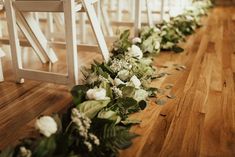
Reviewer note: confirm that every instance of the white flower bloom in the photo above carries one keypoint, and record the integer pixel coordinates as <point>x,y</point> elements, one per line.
<point>117,92</point>
<point>96,94</point>
<point>135,81</point>
<point>157,30</point>
<point>25,152</point>
<point>89,145</point>
<point>135,51</point>
<point>123,75</point>
<point>188,17</point>
<point>140,95</point>
<point>163,33</point>
<point>118,82</point>
<point>136,40</point>
<point>168,45</point>
<point>157,45</point>
<point>46,126</point>
<point>94,138</point>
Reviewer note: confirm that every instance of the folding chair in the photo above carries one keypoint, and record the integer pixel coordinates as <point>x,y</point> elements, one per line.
<point>18,12</point>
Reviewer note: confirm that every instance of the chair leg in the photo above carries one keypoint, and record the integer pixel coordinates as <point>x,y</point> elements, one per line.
<point>14,41</point>
<point>71,39</point>
<point>1,71</point>
<point>96,28</point>
<point>162,9</point>
<point>149,13</point>
<point>107,23</point>
<point>138,15</point>
<point>82,23</point>
<point>119,10</point>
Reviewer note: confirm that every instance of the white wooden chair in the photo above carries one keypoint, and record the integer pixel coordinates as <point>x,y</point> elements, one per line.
<point>18,12</point>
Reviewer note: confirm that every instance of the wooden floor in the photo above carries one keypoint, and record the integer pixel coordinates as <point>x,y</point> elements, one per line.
<point>200,121</point>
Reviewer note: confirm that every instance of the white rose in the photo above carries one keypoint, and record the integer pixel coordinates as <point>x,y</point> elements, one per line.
<point>123,74</point>
<point>135,51</point>
<point>118,82</point>
<point>136,40</point>
<point>96,94</point>
<point>157,45</point>
<point>135,81</point>
<point>46,126</point>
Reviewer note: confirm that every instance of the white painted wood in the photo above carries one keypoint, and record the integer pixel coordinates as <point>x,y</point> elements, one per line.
<point>36,38</point>
<point>149,13</point>
<point>14,41</point>
<point>97,29</point>
<point>1,71</point>
<point>33,33</point>
<point>1,5</point>
<point>119,9</point>
<point>2,54</point>
<point>106,20</point>
<point>138,16</point>
<point>70,29</point>
<point>50,26</point>
<point>44,76</point>
<point>162,9</point>
<point>83,30</point>
<point>132,5</point>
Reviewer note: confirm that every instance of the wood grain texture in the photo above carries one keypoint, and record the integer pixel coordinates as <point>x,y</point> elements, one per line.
<point>200,121</point>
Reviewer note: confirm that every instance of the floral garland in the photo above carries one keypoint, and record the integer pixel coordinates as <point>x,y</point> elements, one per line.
<point>97,124</point>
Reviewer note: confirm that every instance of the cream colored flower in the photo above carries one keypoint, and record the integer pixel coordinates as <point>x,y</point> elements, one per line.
<point>25,152</point>
<point>46,126</point>
<point>136,40</point>
<point>135,51</point>
<point>123,75</point>
<point>118,82</point>
<point>157,30</point>
<point>135,81</point>
<point>96,94</point>
<point>158,45</point>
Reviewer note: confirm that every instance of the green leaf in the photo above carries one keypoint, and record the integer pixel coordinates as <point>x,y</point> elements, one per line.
<point>128,91</point>
<point>110,115</point>
<point>91,108</point>
<point>108,89</point>
<point>79,93</point>
<point>125,35</point>
<point>45,147</point>
<point>112,136</point>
